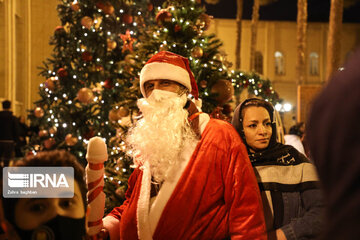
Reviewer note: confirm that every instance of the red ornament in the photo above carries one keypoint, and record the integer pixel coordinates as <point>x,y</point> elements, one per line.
<point>128,19</point>
<point>75,6</point>
<point>100,5</point>
<point>203,84</point>
<point>150,7</point>
<point>49,143</point>
<point>59,30</point>
<point>108,84</point>
<point>62,72</point>
<point>127,41</point>
<point>108,8</point>
<point>205,20</point>
<point>86,56</point>
<point>246,84</point>
<point>224,90</point>
<point>268,91</point>
<point>89,134</point>
<point>163,16</point>
<point>177,28</point>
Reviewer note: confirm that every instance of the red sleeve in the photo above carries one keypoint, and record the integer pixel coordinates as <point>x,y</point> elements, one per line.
<point>117,211</point>
<point>242,195</point>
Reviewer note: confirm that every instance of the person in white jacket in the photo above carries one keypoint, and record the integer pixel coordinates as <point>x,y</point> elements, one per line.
<point>295,137</point>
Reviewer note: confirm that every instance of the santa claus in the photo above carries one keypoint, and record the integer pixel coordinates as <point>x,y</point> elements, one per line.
<point>193,178</point>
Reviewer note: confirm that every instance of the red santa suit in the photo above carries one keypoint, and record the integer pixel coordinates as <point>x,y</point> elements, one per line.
<point>213,194</point>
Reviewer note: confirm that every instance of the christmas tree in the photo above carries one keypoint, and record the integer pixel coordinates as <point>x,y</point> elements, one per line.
<point>90,86</point>
<point>91,81</point>
<point>181,28</point>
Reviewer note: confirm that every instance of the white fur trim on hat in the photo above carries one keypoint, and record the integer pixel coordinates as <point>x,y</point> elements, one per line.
<point>161,70</point>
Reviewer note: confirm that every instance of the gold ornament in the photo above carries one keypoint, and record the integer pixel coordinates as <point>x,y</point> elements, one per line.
<point>39,112</point>
<point>218,57</point>
<point>87,22</point>
<point>50,83</point>
<point>129,59</point>
<point>97,22</point>
<point>123,112</point>
<point>85,95</point>
<point>70,140</point>
<point>197,52</point>
<point>67,27</point>
<point>111,45</point>
<point>113,115</point>
<point>43,133</point>
<point>52,130</point>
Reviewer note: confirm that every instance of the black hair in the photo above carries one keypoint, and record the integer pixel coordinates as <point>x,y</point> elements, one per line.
<point>295,130</point>
<point>6,104</point>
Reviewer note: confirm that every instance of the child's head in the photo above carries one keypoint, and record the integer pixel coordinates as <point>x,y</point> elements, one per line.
<point>63,217</point>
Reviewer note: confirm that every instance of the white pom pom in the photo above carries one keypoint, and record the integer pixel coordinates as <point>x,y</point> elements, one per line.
<point>96,150</point>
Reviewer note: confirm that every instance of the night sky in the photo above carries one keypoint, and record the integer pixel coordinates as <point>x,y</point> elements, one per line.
<point>284,10</point>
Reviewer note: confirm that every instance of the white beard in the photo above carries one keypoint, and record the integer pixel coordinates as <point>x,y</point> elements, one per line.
<point>160,135</point>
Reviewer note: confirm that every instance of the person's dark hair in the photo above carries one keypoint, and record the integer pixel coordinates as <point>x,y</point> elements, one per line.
<point>295,130</point>
<point>55,158</point>
<point>6,104</point>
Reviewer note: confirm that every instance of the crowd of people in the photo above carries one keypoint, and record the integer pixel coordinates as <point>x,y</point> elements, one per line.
<point>196,177</point>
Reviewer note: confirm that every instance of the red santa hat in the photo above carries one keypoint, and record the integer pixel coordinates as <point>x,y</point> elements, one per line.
<point>168,65</point>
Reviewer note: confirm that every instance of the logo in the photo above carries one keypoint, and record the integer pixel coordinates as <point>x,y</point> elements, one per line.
<point>38,182</point>
<point>35,180</point>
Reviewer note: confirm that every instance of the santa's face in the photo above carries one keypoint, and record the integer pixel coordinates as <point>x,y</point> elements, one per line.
<point>161,84</point>
<point>159,136</point>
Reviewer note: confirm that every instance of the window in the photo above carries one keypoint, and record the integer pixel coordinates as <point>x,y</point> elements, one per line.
<point>259,62</point>
<point>279,63</point>
<point>314,64</point>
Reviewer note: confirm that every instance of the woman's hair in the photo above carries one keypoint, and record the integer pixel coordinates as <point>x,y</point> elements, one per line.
<point>55,158</point>
<point>256,102</point>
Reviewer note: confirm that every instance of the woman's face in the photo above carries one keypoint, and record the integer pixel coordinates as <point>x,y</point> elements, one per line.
<point>257,127</point>
<point>31,213</point>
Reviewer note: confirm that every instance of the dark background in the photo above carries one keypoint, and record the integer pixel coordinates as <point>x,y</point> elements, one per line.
<point>281,10</point>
